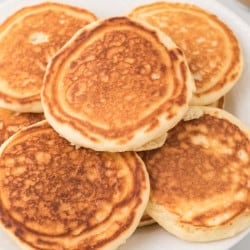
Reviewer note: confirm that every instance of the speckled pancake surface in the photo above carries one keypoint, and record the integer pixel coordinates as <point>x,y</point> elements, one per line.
<point>11,122</point>
<point>212,50</point>
<point>199,178</point>
<point>116,85</point>
<point>54,196</point>
<point>28,40</point>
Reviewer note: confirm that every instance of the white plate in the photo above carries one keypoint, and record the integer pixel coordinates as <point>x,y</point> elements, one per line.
<point>238,103</point>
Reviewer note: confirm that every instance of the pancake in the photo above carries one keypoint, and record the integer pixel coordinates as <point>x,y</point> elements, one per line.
<point>211,48</point>
<point>39,32</point>
<point>11,122</point>
<point>199,178</point>
<point>54,196</point>
<point>116,85</point>
<point>218,104</point>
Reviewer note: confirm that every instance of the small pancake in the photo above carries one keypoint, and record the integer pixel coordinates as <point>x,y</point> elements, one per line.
<point>39,32</point>
<point>11,122</point>
<point>218,104</point>
<point>199,178</point>
<point>54,196</point>
<point>211,48</point>
<point>116,85</point>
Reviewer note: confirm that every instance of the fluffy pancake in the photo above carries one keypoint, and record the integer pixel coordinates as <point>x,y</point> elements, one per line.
<point>116,85</point>
<point>54,196</point>
<point>211,48</point>
<point>39,32</point>
<point>199,178</point>
<point>11,122</point>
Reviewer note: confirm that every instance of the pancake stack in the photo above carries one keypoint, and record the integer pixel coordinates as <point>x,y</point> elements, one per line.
<point>100,133</point>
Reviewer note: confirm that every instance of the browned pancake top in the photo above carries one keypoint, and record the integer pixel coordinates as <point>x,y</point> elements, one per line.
<point>200,172</point>
<point>211,47</point>
<point>39,32</point>
<point>123,67</point>
<point>11,122</point>
<point>116,78</point>
<point>54,196</point>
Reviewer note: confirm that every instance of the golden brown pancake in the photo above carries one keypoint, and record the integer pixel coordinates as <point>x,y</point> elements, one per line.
<point>211,48</point>
<point>116,85</point>
<point>54,196</point>
<point>28,40</point>
<point>199,178</point>
<point>11,122</point>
